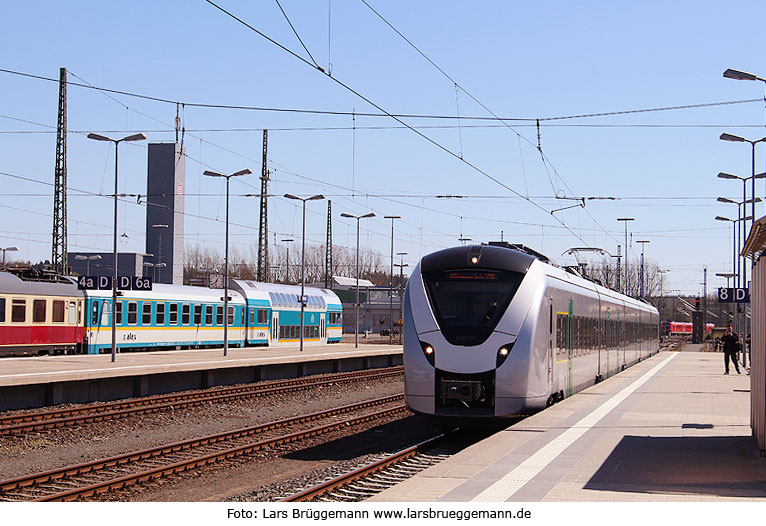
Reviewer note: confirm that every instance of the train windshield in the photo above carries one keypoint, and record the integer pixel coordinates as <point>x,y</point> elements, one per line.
<point>468,304</point>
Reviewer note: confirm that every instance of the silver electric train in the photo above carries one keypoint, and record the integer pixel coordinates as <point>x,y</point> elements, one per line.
<point>497,330</point>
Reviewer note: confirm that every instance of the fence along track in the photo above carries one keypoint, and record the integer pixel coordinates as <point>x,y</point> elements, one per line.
<point>101,476</point>
<point>21,424</point>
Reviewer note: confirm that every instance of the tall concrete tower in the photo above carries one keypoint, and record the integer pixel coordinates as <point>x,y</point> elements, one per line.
<point>165,187</point>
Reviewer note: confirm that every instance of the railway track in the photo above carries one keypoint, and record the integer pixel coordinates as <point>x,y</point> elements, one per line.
<point>33,422</point>
<point>92,479</point>
<point>372,478</point>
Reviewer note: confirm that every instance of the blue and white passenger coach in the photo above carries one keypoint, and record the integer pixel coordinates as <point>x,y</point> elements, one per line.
<point>497,330</point>
<point>168,316</point>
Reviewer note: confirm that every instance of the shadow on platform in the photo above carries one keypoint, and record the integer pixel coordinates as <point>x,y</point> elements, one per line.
<point>726,466</point>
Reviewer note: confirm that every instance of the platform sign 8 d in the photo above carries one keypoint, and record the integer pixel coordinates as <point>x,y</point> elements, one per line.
<point>733,295</point>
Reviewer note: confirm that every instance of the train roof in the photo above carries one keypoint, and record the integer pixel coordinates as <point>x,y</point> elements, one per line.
<point>515,258</point>
<point>250,287</point>
<point>12,284</point>
<point>488,256</point>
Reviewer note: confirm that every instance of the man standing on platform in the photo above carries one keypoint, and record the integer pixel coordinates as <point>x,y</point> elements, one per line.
<point>731,347</point>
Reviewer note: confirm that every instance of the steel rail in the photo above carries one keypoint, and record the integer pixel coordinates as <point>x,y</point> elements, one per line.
<point>19,424</point>
<point>363,472</point>
<point>27,482</point>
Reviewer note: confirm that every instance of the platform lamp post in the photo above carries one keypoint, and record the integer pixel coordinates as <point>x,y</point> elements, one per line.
<point>662,273</point>
<point>728,276</point>
<point>641,284</point>
<point>742,276</point>
<point>401,293</point>
<point>287,265</point>
<point>154,267</point>
<point>8,249</point>
<point>356,305</point>
<point>303,255</point>
<point>734,253</point>
<point>228,177</point>
<point>129,138</point>
<point>391,283</point>
<point>81,257</point>
<point>625,220</point>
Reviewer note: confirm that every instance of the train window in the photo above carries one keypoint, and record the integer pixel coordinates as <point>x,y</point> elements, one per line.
<point>231,316</point>
<point>469,304</point>
<point>132,313</point>
<point>160,314</point>
<point>243,317</point>
<point>118,313</point>
<point>58,311</point>
<point>281,332</point>
<point>173,317</point>
<point>272,298</point>
<point>198,315</point>
<point>219,315</point>
<point>322,304</point>
<point>146,314</point>
<point>2,310</point>
<point>19,311</point>
<point>185,312</point>
<point>208,315</point>
<point>38,311</point>
<point>72,313</point>
<point>252,316</point>
<point>106,308</point>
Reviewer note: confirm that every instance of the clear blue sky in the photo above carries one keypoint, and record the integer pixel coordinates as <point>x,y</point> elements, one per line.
<point>519,59</point>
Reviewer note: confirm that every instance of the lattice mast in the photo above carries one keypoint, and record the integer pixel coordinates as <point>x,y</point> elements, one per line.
<point>328,249</point>
<point>263,228</point>
<point>59,248</point>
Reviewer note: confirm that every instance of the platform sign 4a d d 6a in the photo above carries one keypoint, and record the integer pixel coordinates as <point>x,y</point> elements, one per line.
<point>733,295</point>
<point>105,283</point>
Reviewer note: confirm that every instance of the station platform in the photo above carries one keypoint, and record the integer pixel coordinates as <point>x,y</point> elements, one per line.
<point>671,428</point>
<point>50,380</point>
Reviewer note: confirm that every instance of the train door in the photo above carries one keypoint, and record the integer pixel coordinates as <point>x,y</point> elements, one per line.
<point>322,328</point>
<point>570,351</point>
<point>274,327</point>
<point>550,344</point>
<point>608,333</point>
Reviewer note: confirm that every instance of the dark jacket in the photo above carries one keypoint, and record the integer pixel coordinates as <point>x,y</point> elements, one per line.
<point>730,342</point>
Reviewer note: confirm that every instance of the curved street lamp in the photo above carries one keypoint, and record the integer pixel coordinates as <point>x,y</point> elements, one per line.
<point>303,255</point>
<point>210,173</point>
<point>129,138</point>
<point>356,305</point>
<point>8,249</point>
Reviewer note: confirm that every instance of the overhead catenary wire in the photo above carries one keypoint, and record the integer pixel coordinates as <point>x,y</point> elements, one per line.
<point>528,120</point>
<point>399,120</point>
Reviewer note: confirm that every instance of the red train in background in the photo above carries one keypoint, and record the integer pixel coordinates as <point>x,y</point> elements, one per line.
<point>680,328</point>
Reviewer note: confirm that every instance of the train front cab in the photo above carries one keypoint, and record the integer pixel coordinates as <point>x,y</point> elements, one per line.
<point>454,365</point>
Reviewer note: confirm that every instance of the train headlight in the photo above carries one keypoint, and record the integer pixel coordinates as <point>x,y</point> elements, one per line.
<point>503,353</point>
<point>428,350</point>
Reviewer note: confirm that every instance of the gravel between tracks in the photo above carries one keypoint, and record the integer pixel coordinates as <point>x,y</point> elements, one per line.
<point>53,449</point>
